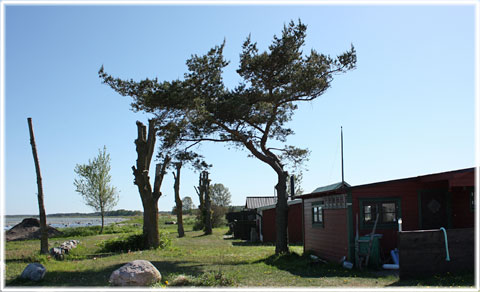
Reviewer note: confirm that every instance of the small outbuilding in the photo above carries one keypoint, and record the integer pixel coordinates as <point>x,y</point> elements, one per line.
<point>266,218</point>
<point>331,214</point>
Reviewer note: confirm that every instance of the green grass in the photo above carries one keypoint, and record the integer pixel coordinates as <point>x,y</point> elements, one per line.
<point>201,260</point>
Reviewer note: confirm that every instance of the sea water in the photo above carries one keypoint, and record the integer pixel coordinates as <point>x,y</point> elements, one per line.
<point>64,222</point>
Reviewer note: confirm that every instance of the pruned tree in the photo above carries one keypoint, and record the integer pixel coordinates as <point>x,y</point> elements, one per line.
<point>41,205</point>
<point>93,183</point>
<point>205,207</point>
<point>182,158</point>
<point>145,144</point>
<point>178,201</point>
<point>200,107</point>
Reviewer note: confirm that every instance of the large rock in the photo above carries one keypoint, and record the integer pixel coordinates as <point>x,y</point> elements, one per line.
<point>34,272</point>
<point>29,228</point>
<point>136,273</point>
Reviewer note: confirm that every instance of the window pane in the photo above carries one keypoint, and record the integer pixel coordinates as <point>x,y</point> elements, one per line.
<point>320,215</point>
<point>315,214</point>
<point>368,217</point>
<point>388,207</point>
<point>389,217</point>
<point>367,209</point>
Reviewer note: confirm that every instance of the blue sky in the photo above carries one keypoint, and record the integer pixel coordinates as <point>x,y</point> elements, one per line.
<point>407,110</point>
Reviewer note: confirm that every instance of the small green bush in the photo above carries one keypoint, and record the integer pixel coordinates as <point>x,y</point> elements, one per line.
<point>131,242</point>
<point>214,279</point>
<point>209,279</point>
<point>95,230</point>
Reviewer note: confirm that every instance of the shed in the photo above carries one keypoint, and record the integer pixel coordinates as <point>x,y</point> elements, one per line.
<point>266,222</point>
<point>424,202</point>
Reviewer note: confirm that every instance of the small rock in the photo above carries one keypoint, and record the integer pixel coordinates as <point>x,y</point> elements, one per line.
<point>136,273</point>
<point>34,272</point>
<point>57,253</point>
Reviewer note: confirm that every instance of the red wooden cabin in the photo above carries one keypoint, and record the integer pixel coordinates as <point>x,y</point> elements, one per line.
<point>424,202</point>
<point>266,222</point>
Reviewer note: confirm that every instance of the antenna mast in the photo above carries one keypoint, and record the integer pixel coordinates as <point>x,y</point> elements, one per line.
<point>341,137</point>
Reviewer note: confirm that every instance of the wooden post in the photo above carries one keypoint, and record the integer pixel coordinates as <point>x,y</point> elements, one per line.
<point>41,206</point>
<point>208,205</point>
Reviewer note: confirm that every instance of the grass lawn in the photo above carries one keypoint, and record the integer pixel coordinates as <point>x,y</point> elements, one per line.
<point>203,258</point>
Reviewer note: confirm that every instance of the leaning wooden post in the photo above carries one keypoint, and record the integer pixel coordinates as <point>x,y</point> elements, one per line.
<point>41,206</point>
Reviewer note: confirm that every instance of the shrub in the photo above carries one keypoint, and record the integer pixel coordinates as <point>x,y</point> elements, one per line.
<point>213,278</point>
<point>218,218</point>
<point>131,242</point>
<point>95,230</point>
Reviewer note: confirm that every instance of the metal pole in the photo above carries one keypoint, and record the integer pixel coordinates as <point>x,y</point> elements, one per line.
<point>341,137</point>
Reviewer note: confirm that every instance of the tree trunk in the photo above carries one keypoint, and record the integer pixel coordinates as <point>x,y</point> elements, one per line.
<point>41,206</point>
<point>281,244</point>
<point>208,205</point>
<point>150,226</point>
<point>178,201</point>
<point>145,147</point>
<point>103,216</point>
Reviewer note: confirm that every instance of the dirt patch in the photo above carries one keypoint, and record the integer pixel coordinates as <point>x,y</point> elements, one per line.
<point>29,228</point>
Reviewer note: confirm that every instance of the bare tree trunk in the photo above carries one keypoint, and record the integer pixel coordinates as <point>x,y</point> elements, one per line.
<point>41,206</point>
<point>208,204</point>
<point>103,216</point>
<point>150,226</point>
<point>145,147</point>
<point>178,201</point>
<point>281,244</point>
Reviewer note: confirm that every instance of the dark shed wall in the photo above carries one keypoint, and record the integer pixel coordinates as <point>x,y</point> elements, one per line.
<point>294,224</point>
<point>330,241</point>
<point>462,211</point>
<point>268,225</point>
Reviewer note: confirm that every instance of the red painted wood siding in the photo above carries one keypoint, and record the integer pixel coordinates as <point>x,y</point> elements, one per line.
<point>294,224</point>
<point>329,242</point>
<point>408,194</point>
<point>462,214</point>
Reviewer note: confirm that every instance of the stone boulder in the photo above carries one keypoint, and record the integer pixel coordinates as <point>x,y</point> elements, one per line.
<point>136,273</point>
<point>34,272</point>
<point>29,228</point>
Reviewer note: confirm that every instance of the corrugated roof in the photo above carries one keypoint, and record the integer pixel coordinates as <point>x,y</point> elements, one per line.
<point>291,202</point>
<point>331,187</point>
<point>256,202</point>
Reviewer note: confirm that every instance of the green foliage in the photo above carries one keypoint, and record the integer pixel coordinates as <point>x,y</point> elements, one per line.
<point>93,183</point>
<point>93,230</point>
<point>131,242</point>
<point>218,218</point>
<point>214,278</point>
<point>187,205</point>
<point>200,107</point>
<point>220,195</point>
<point>209,279</point>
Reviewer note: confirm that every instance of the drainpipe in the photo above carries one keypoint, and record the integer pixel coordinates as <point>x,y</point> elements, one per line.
<point>446,243</point>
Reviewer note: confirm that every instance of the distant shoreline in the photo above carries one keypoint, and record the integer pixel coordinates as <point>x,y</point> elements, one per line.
<point>108,214</point>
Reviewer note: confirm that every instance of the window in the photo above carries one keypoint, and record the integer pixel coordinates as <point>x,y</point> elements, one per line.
<point>317,213</point>
<point>387,210</point>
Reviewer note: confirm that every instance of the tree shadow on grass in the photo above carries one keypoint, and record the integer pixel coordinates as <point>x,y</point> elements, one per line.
<point>248,243</point>
<point>462,279</point>
<point>304,267</point>
<point>100,277</point>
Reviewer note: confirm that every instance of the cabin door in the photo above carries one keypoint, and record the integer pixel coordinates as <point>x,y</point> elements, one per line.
<point>433,209</point>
